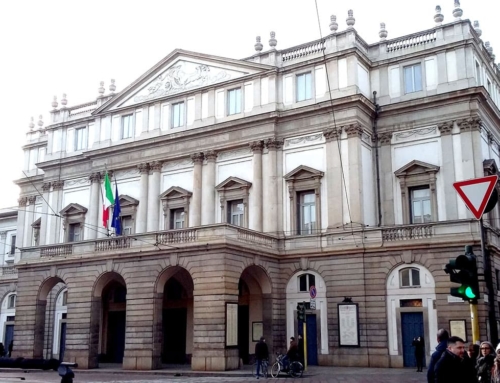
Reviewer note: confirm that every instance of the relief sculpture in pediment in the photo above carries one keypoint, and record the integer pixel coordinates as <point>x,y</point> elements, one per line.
<point>181,77</point>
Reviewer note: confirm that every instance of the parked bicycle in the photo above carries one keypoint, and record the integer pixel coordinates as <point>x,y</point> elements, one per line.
<point>264,368</point>
<point>295,369</point>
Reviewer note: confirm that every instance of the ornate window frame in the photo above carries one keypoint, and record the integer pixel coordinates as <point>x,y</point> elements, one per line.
<point>302,179</point>
<point>231,189</point>
<point>36,231</point>
<point>73,213</point>
<point>128,207</point>
<point>416,174</point>
<point>173,198</point>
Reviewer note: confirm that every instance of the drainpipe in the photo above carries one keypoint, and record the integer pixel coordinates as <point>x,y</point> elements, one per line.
<point>375,120</point>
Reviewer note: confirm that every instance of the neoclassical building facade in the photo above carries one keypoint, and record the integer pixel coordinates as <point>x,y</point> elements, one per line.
<point>318,174</point>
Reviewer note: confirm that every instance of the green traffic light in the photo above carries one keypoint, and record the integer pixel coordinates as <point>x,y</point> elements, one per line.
<point>469,293</point>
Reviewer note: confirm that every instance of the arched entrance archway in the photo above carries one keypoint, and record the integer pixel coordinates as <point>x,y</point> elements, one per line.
<point>45,317</point>
<point>173,321</point>
<point>7,320</point>
<point>108,319</point>
<point>254,311</point>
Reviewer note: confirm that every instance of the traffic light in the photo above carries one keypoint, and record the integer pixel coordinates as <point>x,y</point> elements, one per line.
<point>301,312</point>
<point>463,270</point>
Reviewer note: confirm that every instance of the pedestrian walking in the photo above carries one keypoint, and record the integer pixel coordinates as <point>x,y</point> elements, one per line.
<point>11,346</point>
<point>442,338</point>
<point>2,350</point>
<point>495,374</point>
<point>261,353</point>
<point>453,367</point>
<point>419,345</point>
<point>474,352</point>
<point>485,362</point>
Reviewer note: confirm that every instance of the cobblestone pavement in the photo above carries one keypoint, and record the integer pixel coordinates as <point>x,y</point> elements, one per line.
<point>314,375</point>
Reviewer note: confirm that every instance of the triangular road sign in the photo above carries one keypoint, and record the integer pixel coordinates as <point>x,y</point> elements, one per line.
<point>476,193</point>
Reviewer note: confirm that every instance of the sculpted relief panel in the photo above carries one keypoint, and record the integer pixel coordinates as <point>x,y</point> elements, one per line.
<point>182,76</point>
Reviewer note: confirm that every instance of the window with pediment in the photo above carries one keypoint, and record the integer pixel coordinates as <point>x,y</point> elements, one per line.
<point>73,222</point>
<point>233,195</point>
<point>175,202</point>
<point>418,192</point>
<point>304,191</point>
<point>36,232</point>
<point>128,211</point>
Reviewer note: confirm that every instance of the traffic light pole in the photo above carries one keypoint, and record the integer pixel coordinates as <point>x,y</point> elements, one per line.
<point>474,321</point>
<point>304,332</point>
<point>493,335</point>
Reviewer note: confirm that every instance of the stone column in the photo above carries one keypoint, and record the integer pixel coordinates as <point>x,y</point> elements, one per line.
<point>386,179</point>
<point>141,221</point>
<point>95,184</point>
<point>448,171</point>
<point>55,229</point>
<point>355,166</point>
<point>270,190</point>
<point>208,190</point>
<point>45,214</point>
<point>28,237</point>
<point>470,139</point>
<point>21,218</point>
<point>195,206</point>
<point>256,190</point>
<point>334,181</point>
<point>153,214</point>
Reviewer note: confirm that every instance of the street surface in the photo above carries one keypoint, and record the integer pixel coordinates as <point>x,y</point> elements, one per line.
<point>314,375</point>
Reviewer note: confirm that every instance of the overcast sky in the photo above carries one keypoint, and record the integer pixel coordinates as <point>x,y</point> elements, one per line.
<point>51,47</point>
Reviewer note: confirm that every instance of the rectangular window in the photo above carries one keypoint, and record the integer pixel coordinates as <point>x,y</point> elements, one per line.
<point>304,86</point>
<point>127,224</point>
<point>413,78</point>
<point>127,126</point>
<point>236,211</point>
<point>12,302</point>
<point>74,234</point>
<point>307,213</point>
<point>420,205</point>
<point>478,73</point>
<point>177,218</point>
<point>12,244</point>
<point>178,115</point>
<point>79,139</point>
<point>306,281</point>
<point>234,101</point>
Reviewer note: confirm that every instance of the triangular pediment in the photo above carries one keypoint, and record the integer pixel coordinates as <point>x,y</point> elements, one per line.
<point>37,223</point>
<point>179,72</point>
<point>416,167</point>
<point>175,192</point>
<point>303,172</point>
<point>126,200</point>
<point>233,183</point>
<point>73,208</point>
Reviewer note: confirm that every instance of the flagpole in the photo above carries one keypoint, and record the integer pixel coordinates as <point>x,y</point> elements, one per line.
<point>102,196</point>
<point>120,214</point>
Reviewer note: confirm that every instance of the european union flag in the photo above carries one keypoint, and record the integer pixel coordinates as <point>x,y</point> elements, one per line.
<point>116,222</point>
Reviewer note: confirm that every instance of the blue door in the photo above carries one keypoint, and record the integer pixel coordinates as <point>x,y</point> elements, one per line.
<point>62,342</point>
<point>412,326</point>
<point>312,339</point>
<point>9,336</point>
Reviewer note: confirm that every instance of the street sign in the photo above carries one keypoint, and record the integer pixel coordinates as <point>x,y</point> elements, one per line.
<point>476,193</point>
<point>312,292</point>
<point>312,304</point>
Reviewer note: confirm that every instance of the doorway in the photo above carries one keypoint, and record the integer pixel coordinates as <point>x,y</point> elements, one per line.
<point>412,326</point>
<point>311,339</point>
<point>244,333</point>
<point>174,335</point>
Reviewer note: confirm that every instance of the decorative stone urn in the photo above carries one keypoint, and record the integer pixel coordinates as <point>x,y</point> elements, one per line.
<point>477,29</point>
<point>457,11</point>
<point>350,19</point>
<point>64,100</point>
<point>383,32</point>
<point>54,102</point>
<point>272,41</point>
<point>438,17</point>
<point>333,23</point>
<point>112,86</point>
<point>258,45</point>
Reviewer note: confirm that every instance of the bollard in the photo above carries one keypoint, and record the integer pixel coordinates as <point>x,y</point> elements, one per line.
<point>66,373</point>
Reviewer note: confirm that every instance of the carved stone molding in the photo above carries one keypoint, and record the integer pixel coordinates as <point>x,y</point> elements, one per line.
<point>3,235</point>
<point>22,201</point>
<point>415,132</point>
<point>353,130</point>
<point>446,128</point>
<point>95,177</point>
<point>32,199</point>
<point>385,138</point>
<point>211,156</point>
<point>256,146</point>
<point>332,134</point>
<point>491,137</point>
<point>304,140</point>
<point>155,166</point>
<point>46,187</point>
<point>57,185</point>
<point>274,143</point>
<point>473,123</point>
<point>197,158</point>
<point>143,168</point>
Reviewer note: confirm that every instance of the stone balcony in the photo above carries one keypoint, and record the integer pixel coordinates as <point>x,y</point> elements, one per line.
<point>340,240</point>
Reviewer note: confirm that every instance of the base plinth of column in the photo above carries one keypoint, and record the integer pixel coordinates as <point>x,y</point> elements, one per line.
<point>229,360</point>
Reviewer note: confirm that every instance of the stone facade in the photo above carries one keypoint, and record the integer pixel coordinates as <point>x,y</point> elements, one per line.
<point>243,183</point>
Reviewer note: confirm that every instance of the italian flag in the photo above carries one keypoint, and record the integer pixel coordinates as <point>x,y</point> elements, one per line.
<point>108,201</point>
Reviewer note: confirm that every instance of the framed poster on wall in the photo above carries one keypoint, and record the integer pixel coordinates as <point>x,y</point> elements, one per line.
<point>231,324</point>
<point>458,328</point>
<point>257,331</point>
<point>348,315</point>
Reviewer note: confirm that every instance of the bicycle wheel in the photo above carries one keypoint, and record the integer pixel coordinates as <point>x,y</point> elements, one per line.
<point>296,369</point>
<point>264,368</point>
<point>275,370</point>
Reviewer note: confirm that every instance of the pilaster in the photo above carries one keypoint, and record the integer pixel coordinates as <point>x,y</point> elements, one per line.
<point>153,202</point>
<point>255,199</point>
<point>270,189</point>
<point>55,229</point>
<point>208,189</point>
<point>355,166</point>
<point>448,170</point>
<point>45,213</point>
<point>334,181</point>
<point>142,209</point>
<point>386,178</point>
<point>195,206</point>
<point>95,184</point>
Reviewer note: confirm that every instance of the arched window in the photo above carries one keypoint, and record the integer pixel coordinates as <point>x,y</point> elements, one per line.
<point>11,302</point>
<point>409,277</point>
<point>305,282</point>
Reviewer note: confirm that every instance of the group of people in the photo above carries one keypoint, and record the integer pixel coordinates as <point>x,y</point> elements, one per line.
<point>295,352</point>
<point>452,363</point>
<point>5,353</point>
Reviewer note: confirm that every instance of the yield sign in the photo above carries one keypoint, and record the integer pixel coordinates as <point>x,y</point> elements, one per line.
<point>476,193</point>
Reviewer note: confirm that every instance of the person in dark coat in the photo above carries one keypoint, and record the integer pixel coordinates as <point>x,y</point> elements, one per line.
<point>261,353</point>
<point>453,366</point>
<point>2,350</point>
<point>485,362</point>
<point>301,349</point>
<point>419,345</point>
<point>473,352</point>
<point>11,346</point>
<point>442,338</point>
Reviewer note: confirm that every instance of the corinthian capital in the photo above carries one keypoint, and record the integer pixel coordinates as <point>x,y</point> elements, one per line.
<point>57,185</point>
<point>385,138</point>
<point>274,143</point>
<point>95,177</point>
<point>46,187</point>
<point>332,134</point>
<point>257,146</point>
<point>472,123</point>
<point>32,199</point>
<point>22,201</point>
<point>197,158</point>
<point>211,156</point>
<point>353,130</point>
<point>155,166</point>
<point>446,128</point>
<point>143,168</point>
